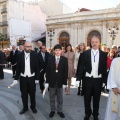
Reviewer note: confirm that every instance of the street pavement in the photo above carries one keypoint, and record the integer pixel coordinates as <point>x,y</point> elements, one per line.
<point>11,104</point>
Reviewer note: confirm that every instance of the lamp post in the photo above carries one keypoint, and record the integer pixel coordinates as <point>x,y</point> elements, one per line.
<point>51,34</point>
<point>113,32</point>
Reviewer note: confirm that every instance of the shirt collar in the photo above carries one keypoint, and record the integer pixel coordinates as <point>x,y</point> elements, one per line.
<point>26,53</point>
<point>95,50</point>
<point>57,57</point>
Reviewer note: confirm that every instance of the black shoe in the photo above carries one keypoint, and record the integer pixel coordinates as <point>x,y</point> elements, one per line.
<point>23,111</point>
<point>34,110</point>
<point>82,93</point>
<point>96,118</point>
<point>78,92</point>
<point>86,117</point>
<point>51,114</point>
<point>61,114</point>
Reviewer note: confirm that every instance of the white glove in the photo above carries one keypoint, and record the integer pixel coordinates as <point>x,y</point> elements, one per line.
<point>9,63</point>
<point>64,86</point>
<point>77,83</point>
<point>15,81</point>
<point>46,86</point>
<point>36,81</point>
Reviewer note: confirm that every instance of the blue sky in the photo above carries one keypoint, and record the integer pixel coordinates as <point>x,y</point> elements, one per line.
<point>91,4</point>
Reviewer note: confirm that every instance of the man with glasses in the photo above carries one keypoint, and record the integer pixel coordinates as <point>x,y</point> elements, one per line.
<point>27,69</point>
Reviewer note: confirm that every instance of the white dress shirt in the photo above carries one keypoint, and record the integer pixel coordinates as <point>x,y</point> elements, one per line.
<point>27,66</point>
<point>95,64</point>
<point>57,58</point>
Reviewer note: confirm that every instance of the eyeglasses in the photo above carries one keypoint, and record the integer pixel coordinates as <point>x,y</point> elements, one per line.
<point>28,46</point>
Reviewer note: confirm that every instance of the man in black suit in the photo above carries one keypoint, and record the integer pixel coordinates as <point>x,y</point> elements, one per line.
<point>21,48</point>
<point>39,44</point>
<point>94,63</point>
<point>56,79</point>
<point>13,59</point>
<point>27,69</point>
<point>43,56</point>
<point>2,57</point>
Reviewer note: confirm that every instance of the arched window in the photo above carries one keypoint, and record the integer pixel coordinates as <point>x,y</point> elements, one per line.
<point>64,39</point>
<point>91,34</point>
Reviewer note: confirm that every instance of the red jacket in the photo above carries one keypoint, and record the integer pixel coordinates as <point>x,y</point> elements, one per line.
<point>109,60</point>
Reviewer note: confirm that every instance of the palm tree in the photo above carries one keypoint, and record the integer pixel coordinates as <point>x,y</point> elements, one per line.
<point>3,37</point>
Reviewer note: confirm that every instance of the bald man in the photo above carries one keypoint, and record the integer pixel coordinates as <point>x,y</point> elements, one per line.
<point>28,71</point>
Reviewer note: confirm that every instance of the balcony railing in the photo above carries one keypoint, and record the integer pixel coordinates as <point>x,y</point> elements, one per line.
<point>4,23</point>
<point>4,10</point>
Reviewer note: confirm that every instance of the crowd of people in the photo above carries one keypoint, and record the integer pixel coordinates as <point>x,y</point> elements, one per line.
<point>89,65</point>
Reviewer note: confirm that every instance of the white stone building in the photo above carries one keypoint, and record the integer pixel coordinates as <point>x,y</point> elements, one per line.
<point>54,7</point>
<point>78,27</point>
<point>21,20</point>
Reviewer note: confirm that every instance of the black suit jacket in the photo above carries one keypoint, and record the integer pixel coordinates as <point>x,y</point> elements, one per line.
<point>85,64</point>
<point>36,50</point>
<point>41,63</point>
<point>2,57</point>
<point>57,79</point>
<point>13,57</point>
<point>33,65</point>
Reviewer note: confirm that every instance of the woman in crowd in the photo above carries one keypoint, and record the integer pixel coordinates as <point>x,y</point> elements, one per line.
<point>110,57</point>
<point>70,55</point>
<point>81,47</point>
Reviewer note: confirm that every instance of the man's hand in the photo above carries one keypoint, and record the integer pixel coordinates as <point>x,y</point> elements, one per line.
<point>15,81</point>
<point>77,83</point>
<point>36,81</point>
<point>46,86</point>
<point>64,86</point>
<point>116,91</point>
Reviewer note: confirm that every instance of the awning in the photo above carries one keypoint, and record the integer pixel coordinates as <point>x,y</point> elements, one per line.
<point>43,35</point>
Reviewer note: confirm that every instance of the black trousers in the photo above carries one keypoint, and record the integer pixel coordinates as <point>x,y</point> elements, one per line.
<point>81,83</point>
<point>41,83</point>
<point>27,86</point>
<point>1,72</point>
<point>92,87</point>
<point>14,70</point>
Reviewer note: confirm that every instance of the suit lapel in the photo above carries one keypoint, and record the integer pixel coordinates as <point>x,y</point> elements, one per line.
<point>60,61</point>
<point>23,59</point>
<point>89,58</point>
<point>100,57</point>
<point>54,63</point>
<point>31,60</point>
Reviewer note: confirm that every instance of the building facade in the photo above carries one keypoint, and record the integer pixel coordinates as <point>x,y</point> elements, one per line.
<point>79,27</point>
<point>21,21</point>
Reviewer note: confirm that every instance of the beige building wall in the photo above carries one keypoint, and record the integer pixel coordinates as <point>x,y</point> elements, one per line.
<point>79,25</point>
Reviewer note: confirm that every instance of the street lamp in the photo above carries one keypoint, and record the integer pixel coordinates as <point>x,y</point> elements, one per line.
<point>113,32</point>
<point>51,33</point>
